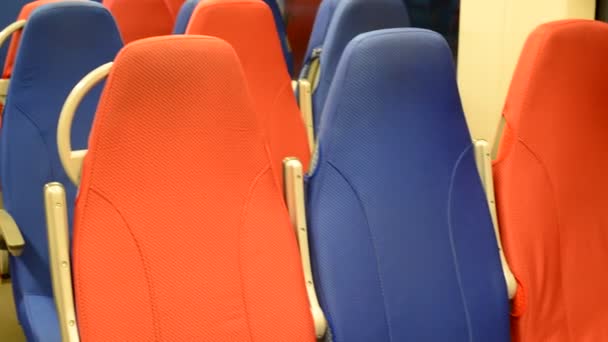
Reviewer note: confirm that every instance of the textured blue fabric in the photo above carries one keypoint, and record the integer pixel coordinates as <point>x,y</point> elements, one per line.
<point>9,10</point>
<point>61,43</point>
<point>351,18</point>
<point>402,243</point>
<point>41,323</point>
<point>185,13</point>
<point>319,29</point>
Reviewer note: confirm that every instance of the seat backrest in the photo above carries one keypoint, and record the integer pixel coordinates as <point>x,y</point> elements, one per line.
<point>11,55</point>
<point>60,44</point>
<point>185,13</point>
<point>259,51</point>
<point>282,31</point>
<point>350,18</point>
<point>550,177</point>
<point>396,204</point>
<point>319,29</point>
<point>222,234</point>
<point>8,14</point>
<point>139,19</point>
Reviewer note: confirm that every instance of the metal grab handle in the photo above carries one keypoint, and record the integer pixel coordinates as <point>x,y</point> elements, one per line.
<point>72,160</point>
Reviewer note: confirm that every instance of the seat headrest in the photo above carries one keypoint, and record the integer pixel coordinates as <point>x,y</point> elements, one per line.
<point>10,11</point>
<point>255,38</point>
<point>53,56</point>
<point>560,67</point>
<point>352,17</point>
<point>25,13</point>
<point>319,30</point>
<point>256,42</point>
<point>154,79</point>
<point>407,75</point>
<point>142,19</point>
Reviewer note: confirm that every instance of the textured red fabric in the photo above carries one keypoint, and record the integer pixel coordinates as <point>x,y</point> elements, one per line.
<point>551,184</point>
<point>11,55</point>
<point>180,231</point>
<point>249,27</point>
<point>139,19</point>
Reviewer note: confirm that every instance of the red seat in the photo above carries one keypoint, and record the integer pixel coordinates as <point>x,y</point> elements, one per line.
<point>180,233</point>
<point>139,19</point>
<point>248,25</point>
<point>551,184</point>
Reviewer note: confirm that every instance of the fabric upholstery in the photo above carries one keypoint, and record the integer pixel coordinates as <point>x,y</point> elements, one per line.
<point>61,43</point>
<point>350,18</point>
<point>254,40</point>
<point>177,185</point>
<point>403,245</point>
<point>8,15</point>
<point>550,183</point>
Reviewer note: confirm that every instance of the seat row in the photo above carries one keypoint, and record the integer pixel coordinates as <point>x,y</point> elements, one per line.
<point>140,19</point>
<point>179,211</point>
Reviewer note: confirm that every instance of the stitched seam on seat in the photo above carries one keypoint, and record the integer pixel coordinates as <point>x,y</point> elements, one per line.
<point>39,131</point>
<point>374,247</point>
<point>559,235</point>
<point>243,214</point>
<point>276,99</point>
<point>453,245</point>
<point>154,309</point>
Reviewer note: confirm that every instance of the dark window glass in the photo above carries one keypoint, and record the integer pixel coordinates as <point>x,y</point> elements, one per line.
<point>438,15</point>
<point>602,10</point>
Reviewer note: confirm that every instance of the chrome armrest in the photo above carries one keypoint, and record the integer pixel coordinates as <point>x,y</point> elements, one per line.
<point>59,253</point>
<point>483,159</point>
<point>10,235</point>
<point>294,197</point>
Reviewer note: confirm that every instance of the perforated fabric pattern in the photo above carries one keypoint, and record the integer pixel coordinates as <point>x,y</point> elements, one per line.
<point>416,259</point>
<point>550,181</point>
<point>350,18</point>
<point>177,181</point>
<point>188,8</point>
<point>24,14</point>
<point>139,19</point>
<point>10,11</point>
<point>11,50</point>
<point>255,42</point>
<point>62,42</point>
<point>319,28</point>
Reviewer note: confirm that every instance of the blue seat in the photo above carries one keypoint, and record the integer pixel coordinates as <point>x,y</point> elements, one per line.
<point>188,8</point>
<point>9,9</point>
<point>319,29</point>
<point>349,18</point>
<point>402,241</point>
<point>61,43</point>
<point>184,15</point>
